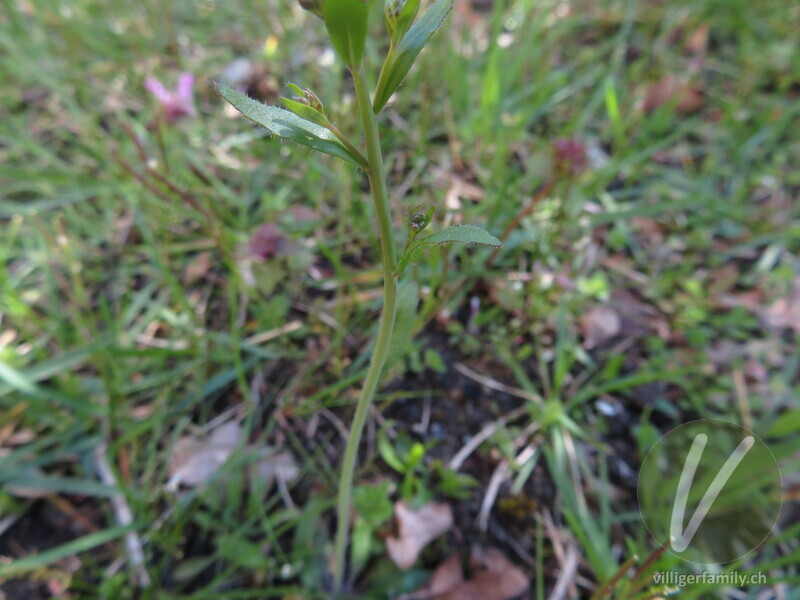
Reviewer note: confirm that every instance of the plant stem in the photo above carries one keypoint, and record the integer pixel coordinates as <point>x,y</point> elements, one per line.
<point>377,181</point>
<point>349,145</point>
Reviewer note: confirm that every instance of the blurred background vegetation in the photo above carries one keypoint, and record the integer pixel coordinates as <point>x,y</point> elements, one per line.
<point>167,270</point>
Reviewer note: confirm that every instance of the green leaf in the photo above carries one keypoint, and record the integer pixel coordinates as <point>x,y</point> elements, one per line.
<point>434,360</point>
<point>24,381</point>
<point>786,424</point>
<point>451,483</point>
<point>188,569</point>
<point>463,234</point>
<point>361,545</point>
<point>242,552</point>
<point>287,125</point>
<point>401,58</point>
<point>304,111</point>
<point>33,562</point>
<point>372,503</point>
<point>389,454</point>
<point>61,485</point>
<point>346,22</point>
<point>415,456</point>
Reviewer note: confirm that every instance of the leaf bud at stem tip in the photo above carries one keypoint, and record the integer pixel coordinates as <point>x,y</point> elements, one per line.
<point>419,219</point>
<point>400,15</point>
<point>313,101</point>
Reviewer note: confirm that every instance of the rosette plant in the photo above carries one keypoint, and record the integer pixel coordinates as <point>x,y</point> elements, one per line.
<point>303,119</point>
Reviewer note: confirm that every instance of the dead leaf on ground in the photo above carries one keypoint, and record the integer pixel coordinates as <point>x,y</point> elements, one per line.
<point>417,528</point>
<point>194,460</point>
<point>696,42</point>
<point>599,325</point>
<point>651,231</point>
<point>784,313</point>
<point>751,300</point>
<point>274,465</point>
<point>672,89</point>
<point>197,268</point>
<point>494,577</point>
<point>10,436</point>
<point>447,576</point>
<point>639,318</point>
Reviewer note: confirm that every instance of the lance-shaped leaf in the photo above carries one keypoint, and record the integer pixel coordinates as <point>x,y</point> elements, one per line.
<point>346,22</point>
<point>304,111</point>
<point>463,234</point>
<point>402,56</point>
<point>287,125</point>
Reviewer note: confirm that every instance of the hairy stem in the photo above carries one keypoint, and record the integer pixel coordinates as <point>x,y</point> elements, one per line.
<point>377,181</point>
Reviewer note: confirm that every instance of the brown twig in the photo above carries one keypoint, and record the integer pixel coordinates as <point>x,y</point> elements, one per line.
<point>641,571</point>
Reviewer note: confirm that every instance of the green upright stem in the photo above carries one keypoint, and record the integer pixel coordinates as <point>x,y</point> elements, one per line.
<point>377,181</point>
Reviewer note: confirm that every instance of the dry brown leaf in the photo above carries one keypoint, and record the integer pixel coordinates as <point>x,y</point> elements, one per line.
<point>697,41</point>
<point>197,268</point>
<point>494,577</point>
<point>416,528</point>
<point>274,465</point>
<point>752,300</point>
<point>599,325</point>
<point>784,313</point>
<point>755,371</point>
<point>195,460</point>
<point>671,89</point>
<point>651,230</point>
<point>20,437</point>
<point>447,576</point>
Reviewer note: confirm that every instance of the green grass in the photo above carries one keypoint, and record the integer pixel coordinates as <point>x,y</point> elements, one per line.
<point>105,339</point>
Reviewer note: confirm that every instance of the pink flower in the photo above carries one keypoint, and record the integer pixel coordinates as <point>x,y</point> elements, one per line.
<point>570,156</point>
<point>268,242</point>
<point>177,104</point>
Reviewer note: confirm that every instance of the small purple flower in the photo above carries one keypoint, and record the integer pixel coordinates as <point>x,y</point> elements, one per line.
<point>570,156</point>
<point>267,243</point>
<point>177,104</point>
